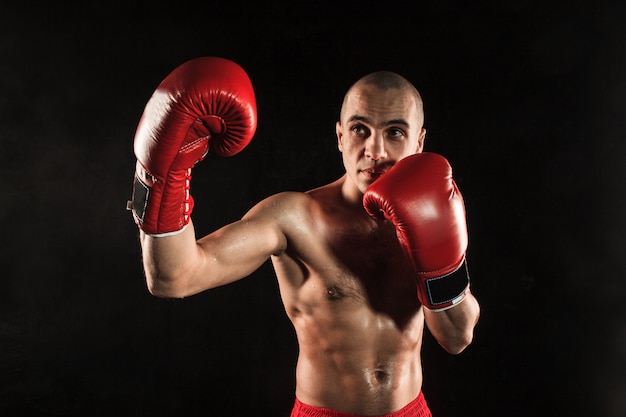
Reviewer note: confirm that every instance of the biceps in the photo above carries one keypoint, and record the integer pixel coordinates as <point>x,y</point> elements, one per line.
<point>235,251</point>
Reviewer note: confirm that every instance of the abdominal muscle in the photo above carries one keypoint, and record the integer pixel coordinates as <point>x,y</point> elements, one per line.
<point>353,358</point>
<point>363,375</point>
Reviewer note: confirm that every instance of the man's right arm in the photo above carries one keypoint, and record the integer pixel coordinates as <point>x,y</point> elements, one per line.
<point>179,266</point>
<point>204,100</point>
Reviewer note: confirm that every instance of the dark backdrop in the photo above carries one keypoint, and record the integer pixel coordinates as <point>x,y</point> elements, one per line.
<point>526,98</point>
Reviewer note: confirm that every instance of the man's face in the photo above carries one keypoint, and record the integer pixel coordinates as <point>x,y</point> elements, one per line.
<point>377,129</point>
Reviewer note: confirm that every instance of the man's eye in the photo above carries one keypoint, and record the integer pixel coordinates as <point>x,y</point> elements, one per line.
<point>358,129</point>
<point>395,133</point>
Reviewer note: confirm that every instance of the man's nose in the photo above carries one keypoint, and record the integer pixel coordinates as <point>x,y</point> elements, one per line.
<point>375,146</point>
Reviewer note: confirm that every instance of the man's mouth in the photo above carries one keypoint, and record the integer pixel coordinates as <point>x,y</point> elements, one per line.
<point>373,173</point>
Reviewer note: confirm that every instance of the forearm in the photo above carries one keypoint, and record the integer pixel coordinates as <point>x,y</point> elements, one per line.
<point>170,263</point>
<point>454,328</point>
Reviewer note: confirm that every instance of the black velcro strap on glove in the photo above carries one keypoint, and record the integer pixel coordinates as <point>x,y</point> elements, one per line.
<point>139,199</point>
<point>448,288</point>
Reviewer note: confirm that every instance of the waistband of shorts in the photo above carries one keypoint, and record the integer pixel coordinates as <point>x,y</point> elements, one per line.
<point>416,408</point>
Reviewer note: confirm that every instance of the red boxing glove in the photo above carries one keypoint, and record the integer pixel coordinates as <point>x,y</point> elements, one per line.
<point>422,200</point>
<point>205,99</point>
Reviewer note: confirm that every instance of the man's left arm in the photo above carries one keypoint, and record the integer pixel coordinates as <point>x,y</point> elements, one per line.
<point>420,197</point>
<point>453,328</point>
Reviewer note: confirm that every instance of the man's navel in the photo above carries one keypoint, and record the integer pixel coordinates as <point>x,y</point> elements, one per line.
<point>378,378</point>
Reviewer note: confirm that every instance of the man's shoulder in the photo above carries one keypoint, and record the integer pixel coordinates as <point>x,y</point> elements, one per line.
<point>283,205</point>
<point>297,200</point>
<point>286,199</point>
<point>290,209</point>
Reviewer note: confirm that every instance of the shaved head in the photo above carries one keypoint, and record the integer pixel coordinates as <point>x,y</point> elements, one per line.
<point>386,80</point>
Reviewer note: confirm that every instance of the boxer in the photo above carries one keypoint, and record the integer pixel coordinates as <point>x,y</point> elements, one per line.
<point>363,263</point>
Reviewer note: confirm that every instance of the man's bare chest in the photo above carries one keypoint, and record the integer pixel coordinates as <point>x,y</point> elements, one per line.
<point>341,259</point>
<point>363,261</point>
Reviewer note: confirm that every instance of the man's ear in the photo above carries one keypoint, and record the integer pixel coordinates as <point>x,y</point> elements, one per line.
<point>339,132</point>
<point>420,141</point>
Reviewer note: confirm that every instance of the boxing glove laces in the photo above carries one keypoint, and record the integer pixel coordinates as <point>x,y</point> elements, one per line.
<point>205,101</point>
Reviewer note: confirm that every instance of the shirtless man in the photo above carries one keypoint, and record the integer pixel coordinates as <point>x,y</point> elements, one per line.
<point>362,263</point>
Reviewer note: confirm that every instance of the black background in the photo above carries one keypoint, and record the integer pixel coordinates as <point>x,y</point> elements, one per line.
<point>526,98</point>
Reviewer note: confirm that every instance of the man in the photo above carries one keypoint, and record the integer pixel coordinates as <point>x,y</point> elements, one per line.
<point>362,263</point>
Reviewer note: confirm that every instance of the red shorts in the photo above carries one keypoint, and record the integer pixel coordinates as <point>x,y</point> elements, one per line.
<point>416,408</point>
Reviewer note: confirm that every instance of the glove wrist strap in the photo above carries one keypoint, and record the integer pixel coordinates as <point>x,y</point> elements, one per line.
<point>446,291</point>
<point>161,208</point>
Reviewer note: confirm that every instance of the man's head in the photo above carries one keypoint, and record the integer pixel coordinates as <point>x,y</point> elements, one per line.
<point>381,122</point>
